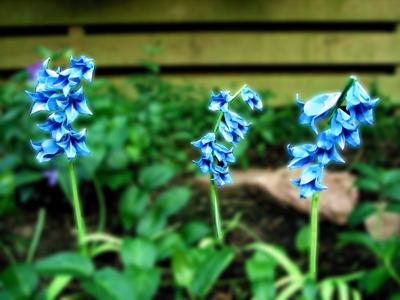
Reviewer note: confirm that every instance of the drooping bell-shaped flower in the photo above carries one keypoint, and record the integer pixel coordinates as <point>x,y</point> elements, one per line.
<point>251,98</point>
<point>56,124</point>
<point>46,150</point>
<point>223,154</point>
<point>345,129</point>
<point>74,143</point>
<point>205,144</point>
<point>233,127</point>
<point>82,68</point>
<point>221,175</point>
<point>326,148</point>
<point>220,101</point>
<point>317,108</point>
<point>310,180</point>
<point>301,155</point>
<point>73,105</point>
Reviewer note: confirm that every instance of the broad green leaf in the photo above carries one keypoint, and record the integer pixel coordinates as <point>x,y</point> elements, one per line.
<point>393,207</point>
<point>152,223</point>
<point>109,284</point>
<point>393,191</point>
<point>138,252</point>
<point>361,238</point>
<point>20,280</point>
<point>368,185</point>
<point>145,282</point>
<point>155,176</point>
<point>281,258</point>
<point>194,231</point>
<point>374,280</point>
<point>65,263</point>
<point>172,200</point>
<point>131,206</point>
<point>263,290</point>
<point>183,268</point>
<point>391,177</point>
<point>208,272</point>
<point>168,244</point>
<point>309,291</point>
<point>302,241</point>
<point>367,171</point>
<point>360,213</point>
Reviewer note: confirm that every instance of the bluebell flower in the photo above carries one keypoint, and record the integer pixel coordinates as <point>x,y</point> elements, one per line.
<point>360,105</point>
<point>56,124</point>
<point>52,176</point>
<point>33,70</point>
<point>233,127</point>
<point>204,163</point>
<point>60,92</point>
<point>301,155</point>
<point>74,143</point>
<point>317,108</point>
<point>251,98</point>
<point>220,101</point>
<point>46,150</point>
<point>73,105</point>
<point>223,154</point>
<point>81,67</point>
<point>205,144</point>
<point>345,128</point>
<point>221,175</point>
<point>310,180</point>
<point>326,148</point>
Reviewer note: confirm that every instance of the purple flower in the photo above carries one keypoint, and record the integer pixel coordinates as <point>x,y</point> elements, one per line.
<point>52,176</point>
<point>33,70</point>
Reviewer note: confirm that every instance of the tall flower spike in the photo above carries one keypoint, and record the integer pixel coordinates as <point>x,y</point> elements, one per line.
<point>344,125</point>
<point>60,93</point>
<point>216,157</point>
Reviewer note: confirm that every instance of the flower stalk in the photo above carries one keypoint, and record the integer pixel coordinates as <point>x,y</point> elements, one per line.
<point>313,268</point>
<point>79,221</point>
<point>215,213</point>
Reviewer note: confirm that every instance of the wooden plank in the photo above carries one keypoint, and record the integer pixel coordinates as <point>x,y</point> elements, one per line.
<point>219,48</point>
<point>284,86</point>
<point>44,12</point>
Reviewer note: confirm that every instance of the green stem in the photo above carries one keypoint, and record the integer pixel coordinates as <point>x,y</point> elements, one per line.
<point>102,206</point>
<point>215,213</point>
<point>313,271</point>
<point>36,235</point>
<point>80,224</point>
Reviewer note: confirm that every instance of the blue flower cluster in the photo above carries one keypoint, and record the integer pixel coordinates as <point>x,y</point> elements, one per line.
<point>343,129</point>
<point>60,93</point>
<point>215,157</point>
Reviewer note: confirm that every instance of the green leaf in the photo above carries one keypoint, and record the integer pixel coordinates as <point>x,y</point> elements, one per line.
<point>392,191</point>
<point>368,185</point>
<point>169,244</point>
<point>131,206</point>
<point>360,213</point>
<point>367,171</point>
<point>65,263</point>
<point>19,280</point>
<point>395,296</point>
<point>155,176</point>
<point>288,291</point>
<point>208,272</point>
<point>145,282</point>
<point>302,241</point>
<point>183,268</point>
<point>138,252</point>
<point>109,284</point>
<point>327,289</point>
<point>280,257</point>
<point>151,224</point>
<point>26,177</point>
<point>309,291</point>
<point>343,290</point>
<point>172,200</point>
<point>393,207</point>
<point>374,280</point>
<point>194,231</point>
<point>361,238</point>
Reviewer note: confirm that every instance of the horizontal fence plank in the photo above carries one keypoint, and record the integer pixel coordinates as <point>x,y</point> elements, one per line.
<point>44,12</point>
<point>283,86</point>
<point>219,48</point>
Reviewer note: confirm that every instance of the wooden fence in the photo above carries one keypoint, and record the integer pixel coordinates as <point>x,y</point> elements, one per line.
<point>288,46</point>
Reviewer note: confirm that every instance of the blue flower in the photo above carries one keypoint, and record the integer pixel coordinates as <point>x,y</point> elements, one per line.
<point>251,98</point>
<point>221,175</point>
<point>46,150</point>
<point>360,105</point>
<point>223,154</point>
<point>205,144</point>
<point>301,155</point>
<point>317,108</point>
<point>233,127</point>
<point>82,67</point>
<point>326,150</point>
<point>204,163</point>
<point>52,176</point>
<point>56,125</point>
<point>74,143</point>
<point>345,128</point>
<point>59,92</point>
<point>310,180</point>
<point>220,101</point>
<point>73,105</point>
